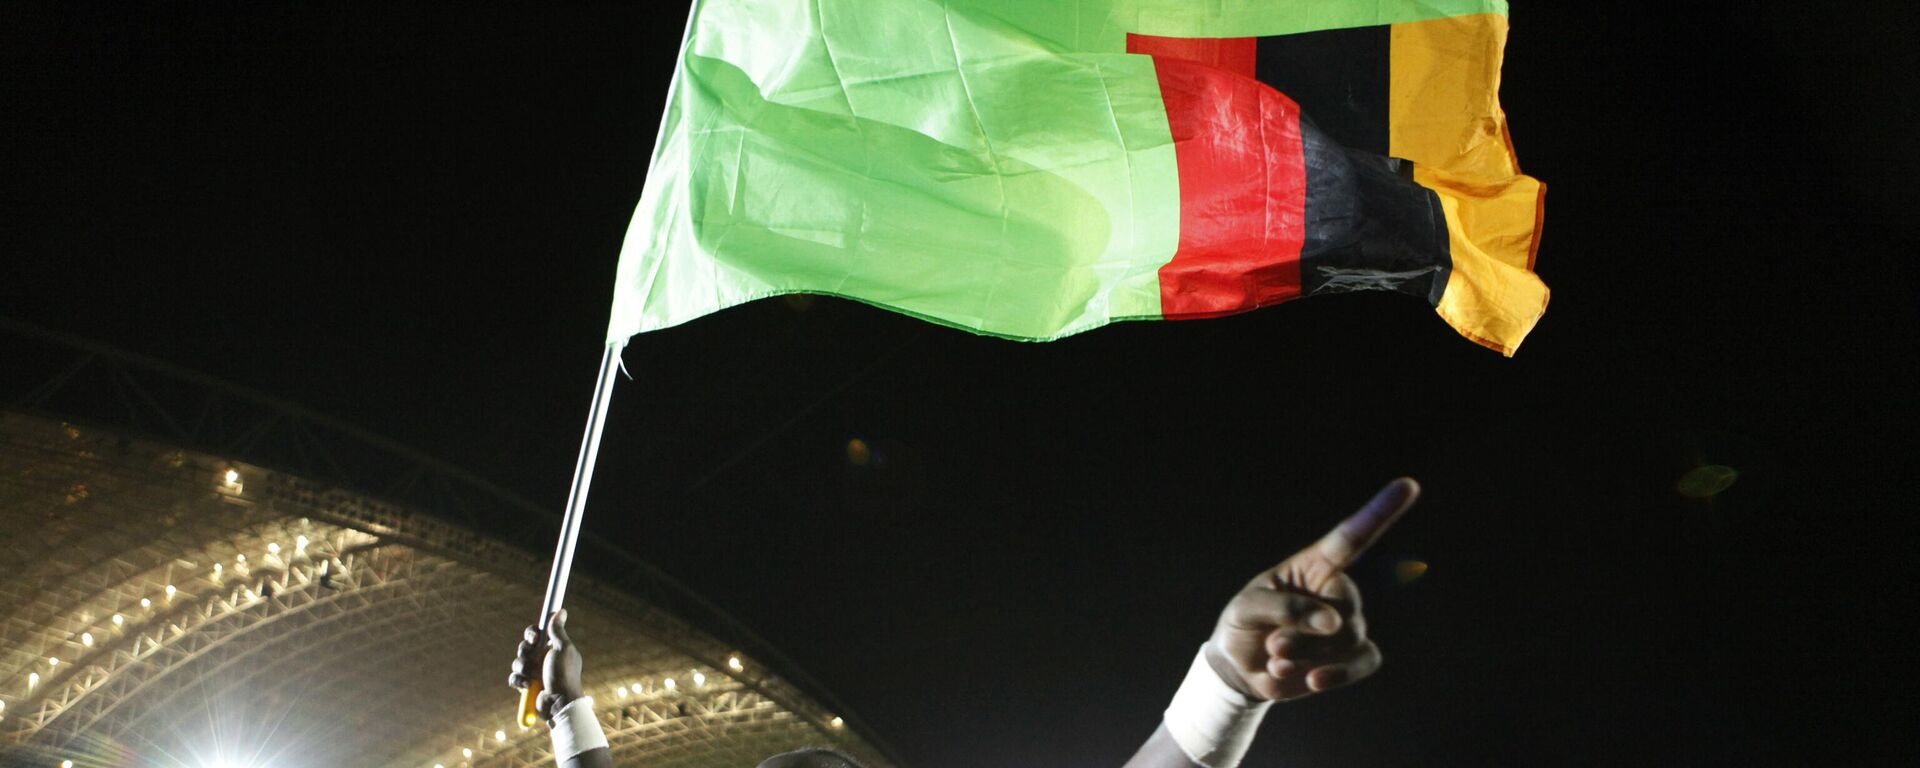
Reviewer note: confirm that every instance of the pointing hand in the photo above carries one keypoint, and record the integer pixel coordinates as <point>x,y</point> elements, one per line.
<point>1296,629</point>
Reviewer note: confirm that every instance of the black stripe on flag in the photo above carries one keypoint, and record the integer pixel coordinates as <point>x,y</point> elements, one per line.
<point>1339,77</point>
<point>1369,225</point>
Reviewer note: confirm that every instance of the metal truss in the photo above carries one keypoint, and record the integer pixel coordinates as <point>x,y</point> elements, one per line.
<point>146,591</point>
<point>331,469</point>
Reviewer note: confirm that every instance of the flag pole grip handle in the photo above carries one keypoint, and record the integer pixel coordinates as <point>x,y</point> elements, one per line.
<point>530,705</point>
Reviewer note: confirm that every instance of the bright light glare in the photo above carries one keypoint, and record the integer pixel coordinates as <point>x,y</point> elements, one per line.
<point>86,639</point>
<point>699,679</point>
<point>119,619</point>
<point>499,735</point>
<point>733,663</point>
<point>670,684</point>
<point>836,722</point>
<point>466,753</point>
<point>171,590</point>
<point>53,661</point>
<point>273,548</point>
<point>233,476</point>
<point>146,603</point>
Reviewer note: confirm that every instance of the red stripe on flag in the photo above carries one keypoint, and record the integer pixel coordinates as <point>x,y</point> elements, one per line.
<point>1243,192</point>
<point>1233,54</point>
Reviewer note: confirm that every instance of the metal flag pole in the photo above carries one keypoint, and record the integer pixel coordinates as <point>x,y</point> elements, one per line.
<point>570,523</point>
<point>590,446</point>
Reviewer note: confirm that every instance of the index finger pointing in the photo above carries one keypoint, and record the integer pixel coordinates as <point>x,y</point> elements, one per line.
<point>1343,545</point>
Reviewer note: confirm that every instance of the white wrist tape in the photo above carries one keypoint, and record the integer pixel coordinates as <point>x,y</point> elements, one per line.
<point>576,730</point>
<point>1213,723</point>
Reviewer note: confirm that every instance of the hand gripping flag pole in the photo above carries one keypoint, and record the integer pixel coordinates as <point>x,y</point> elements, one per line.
<point>570,523</point>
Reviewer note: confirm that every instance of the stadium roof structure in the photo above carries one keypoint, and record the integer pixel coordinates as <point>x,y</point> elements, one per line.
<point>161,606</point>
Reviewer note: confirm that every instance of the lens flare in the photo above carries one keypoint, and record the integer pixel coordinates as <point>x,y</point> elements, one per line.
<point>1407,571</point>
<point>1706,481</point>
<point>858,452</point>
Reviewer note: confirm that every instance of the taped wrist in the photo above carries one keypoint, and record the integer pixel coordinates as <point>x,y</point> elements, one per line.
<point>1213,723</point>
<point>576,730</point>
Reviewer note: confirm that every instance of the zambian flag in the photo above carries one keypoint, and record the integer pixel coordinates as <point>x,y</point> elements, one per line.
<point>1037,168</point>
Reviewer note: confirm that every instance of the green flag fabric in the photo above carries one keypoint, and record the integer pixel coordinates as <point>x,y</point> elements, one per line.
<point>1032,170</point>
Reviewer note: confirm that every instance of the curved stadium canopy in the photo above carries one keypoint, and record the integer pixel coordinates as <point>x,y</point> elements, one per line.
<point>165,607</point>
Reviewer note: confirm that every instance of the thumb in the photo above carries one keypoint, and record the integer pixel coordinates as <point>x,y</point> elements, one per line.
<point>557,638</point>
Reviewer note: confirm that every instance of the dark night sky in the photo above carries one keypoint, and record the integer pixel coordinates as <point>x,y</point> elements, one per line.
<point>409,219</point>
